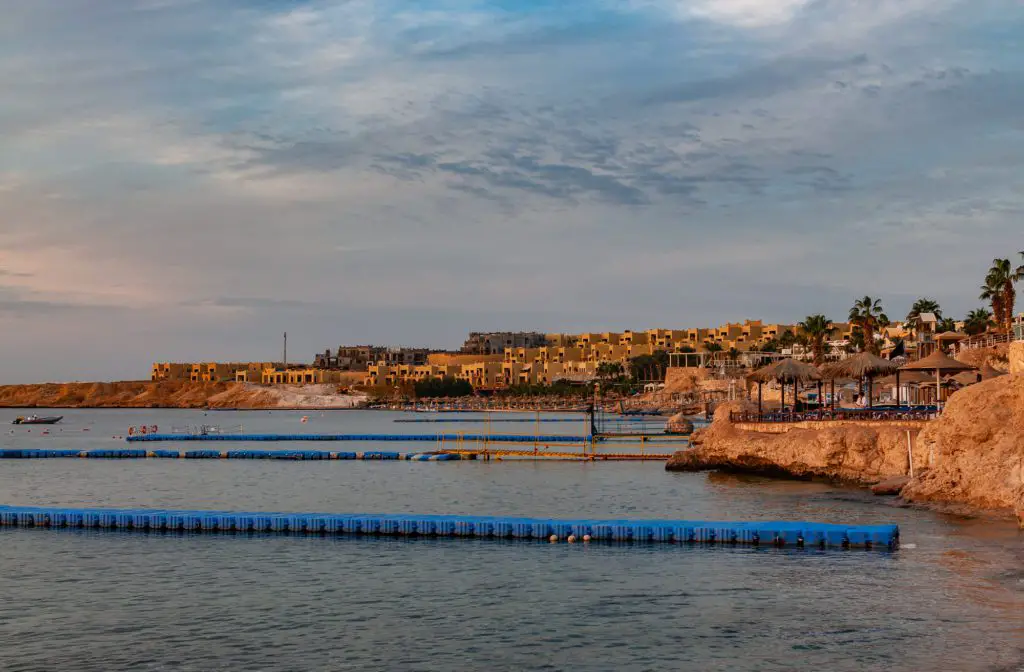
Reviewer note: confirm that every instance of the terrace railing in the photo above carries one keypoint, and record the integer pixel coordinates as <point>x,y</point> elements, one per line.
<point>826,415</point>
<point>984,341</point>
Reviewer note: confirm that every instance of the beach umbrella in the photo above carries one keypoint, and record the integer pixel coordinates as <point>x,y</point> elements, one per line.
<point>863,365</point>
<point>941,364</point>
<point>905,378</point>
<point>988,373</point>
<point>784,371</point>
<point>965,378</point>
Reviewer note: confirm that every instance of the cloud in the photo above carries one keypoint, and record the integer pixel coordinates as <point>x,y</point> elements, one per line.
<point>203,173</point>
<point>744,13</point>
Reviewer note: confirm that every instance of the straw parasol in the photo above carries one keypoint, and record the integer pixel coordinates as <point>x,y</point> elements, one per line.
<point>787,370</point>
<point>864,365</point>
<point>950,337</point>
<point>905,378</point>
<point>988,373</point>
<point>784,371</point>
<point>941,364</point>
<point>860,366</point>
<point>908,378</point>
<point>966,378</point>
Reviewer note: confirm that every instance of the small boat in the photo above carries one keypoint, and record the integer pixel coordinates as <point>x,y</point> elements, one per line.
<point>36,420</point>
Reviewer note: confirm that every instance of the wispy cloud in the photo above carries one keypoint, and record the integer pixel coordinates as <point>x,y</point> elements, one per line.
<point>236,165</point>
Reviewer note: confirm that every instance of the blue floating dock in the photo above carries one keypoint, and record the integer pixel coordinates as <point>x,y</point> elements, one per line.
<point>497,438</point>
<point>764,533</point>
<point>137,454</point>
<point>482,421</point>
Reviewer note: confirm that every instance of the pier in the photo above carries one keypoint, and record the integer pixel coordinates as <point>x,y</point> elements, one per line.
<point>758,533</point>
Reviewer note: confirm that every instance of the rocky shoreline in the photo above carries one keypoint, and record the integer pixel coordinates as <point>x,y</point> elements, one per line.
<point>970,459</point>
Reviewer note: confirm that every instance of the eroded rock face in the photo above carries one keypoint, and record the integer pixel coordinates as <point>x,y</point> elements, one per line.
<point>845,452</point>
<point>978,448</point>
<point>891,486</point>
<point>973,455</point>
<point>679,424</point>
<point>1016,356</point>
<point>994,356</point>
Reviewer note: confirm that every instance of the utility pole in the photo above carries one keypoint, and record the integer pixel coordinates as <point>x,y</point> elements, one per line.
<point>286,351</point>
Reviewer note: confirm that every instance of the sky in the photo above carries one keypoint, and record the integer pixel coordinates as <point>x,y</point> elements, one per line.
<point>184,180</point>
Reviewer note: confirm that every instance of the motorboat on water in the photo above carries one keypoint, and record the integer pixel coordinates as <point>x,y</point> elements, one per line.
<point>37,420</point>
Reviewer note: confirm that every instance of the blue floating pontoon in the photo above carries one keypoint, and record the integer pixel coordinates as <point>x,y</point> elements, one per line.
<point>127,454</point>
<point>498,438</point>
<point>758,533</point>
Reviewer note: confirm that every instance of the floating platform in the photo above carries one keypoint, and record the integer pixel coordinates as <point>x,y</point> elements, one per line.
<point>135,453</point>
<point>481,421</point>
<point>497,438</point>
<point>767,533</point>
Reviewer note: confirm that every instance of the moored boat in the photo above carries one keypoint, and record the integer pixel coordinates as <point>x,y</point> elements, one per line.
<point>36,420</point>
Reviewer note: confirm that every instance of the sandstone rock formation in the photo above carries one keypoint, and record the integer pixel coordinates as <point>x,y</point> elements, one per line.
<point>978,448</point>
<point>1016,357</point>
<point>994,356</point>
<point>848,452</point>
<point>972,455</point>
<point>680,379</point>
<point>679,424</point>
<point>891,486</point>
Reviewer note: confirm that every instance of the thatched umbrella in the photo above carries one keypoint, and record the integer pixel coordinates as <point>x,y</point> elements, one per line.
<point>864,365</point>
<point>988,373</point>
<point>950,337</point>
<point>907,378</point>
<point>941,364</point>
<point>784,371</point>
<point>965,378</point>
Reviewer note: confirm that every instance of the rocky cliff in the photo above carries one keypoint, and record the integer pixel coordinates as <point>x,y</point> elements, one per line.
<point>973,455</point>
<point>171,394</point>
<point>848,452</point>
<point>1016,357</point>
<point>978,445</point>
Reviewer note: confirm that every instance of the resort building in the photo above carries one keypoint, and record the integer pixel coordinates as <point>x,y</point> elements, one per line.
<point>495,360</point>
<point>207,372</point>
<point>925,330</point>
<point>349,357</point>
<point>494,343</point>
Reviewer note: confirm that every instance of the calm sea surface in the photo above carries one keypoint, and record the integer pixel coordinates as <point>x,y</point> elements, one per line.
<point>951,599</point>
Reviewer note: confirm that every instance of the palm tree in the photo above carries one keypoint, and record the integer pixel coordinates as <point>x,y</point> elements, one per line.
<point>609,370</point>
<point>990,292</point>
<point>924,305</point>
<point>787,339</point>
<point>946,324</point>
<point>978,321</point>
<point>816,328</point>
<point>711,346</point>
<point>868,314</point>
<point>999,289</point>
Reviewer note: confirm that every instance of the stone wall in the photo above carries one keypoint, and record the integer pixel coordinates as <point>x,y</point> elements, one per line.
<point>684,378</point>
